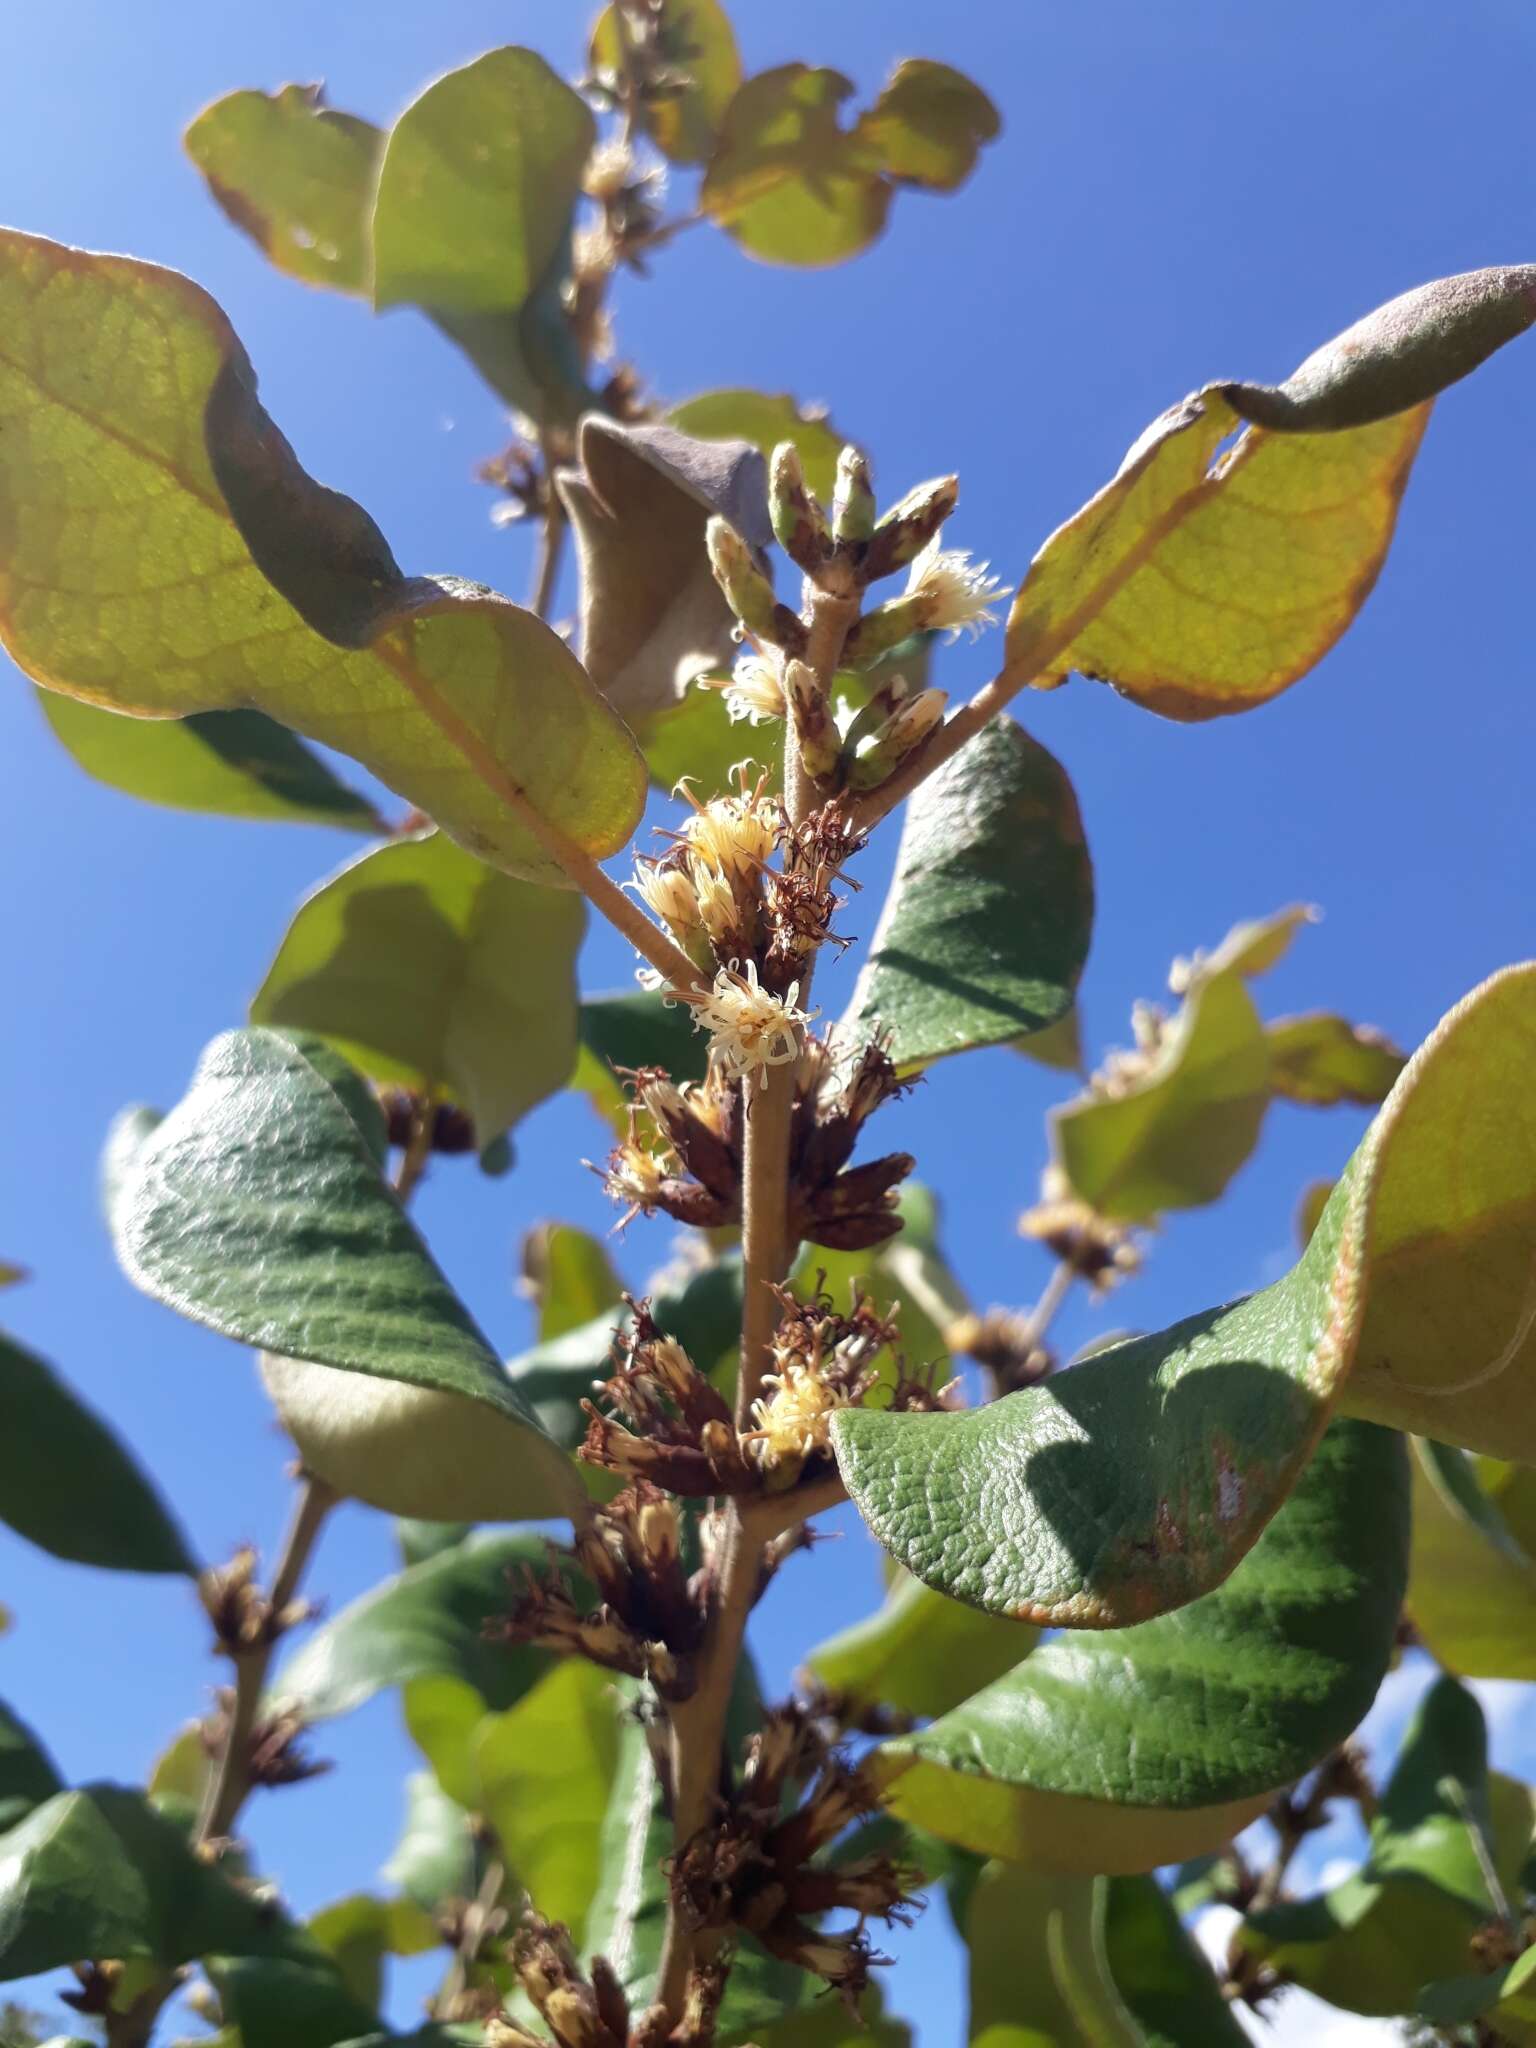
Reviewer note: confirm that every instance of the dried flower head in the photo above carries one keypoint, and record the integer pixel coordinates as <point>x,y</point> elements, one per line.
<point>1101,1251</point>
<point>750,1029</point>
<point>952,594</point>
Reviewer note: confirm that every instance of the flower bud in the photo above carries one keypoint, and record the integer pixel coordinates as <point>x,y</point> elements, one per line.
<point>908,527</point>
<point>853,502</point>
<point>799,524</point>
<point>903,732</point>
<point>814,726</point>
<point>747,590</point>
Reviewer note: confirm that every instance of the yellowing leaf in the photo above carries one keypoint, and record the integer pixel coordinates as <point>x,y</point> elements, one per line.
<point>928,125</point>
<point>1471,1584</point>
<point>1322,1060</point>
<point>1452,1235</point>
<point>1199,581</point>
<point>162,552</point>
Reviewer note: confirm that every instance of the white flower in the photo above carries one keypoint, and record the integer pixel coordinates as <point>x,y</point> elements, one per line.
<point>754,691</point>
<point>952,593</point>
<point>749,1028</point>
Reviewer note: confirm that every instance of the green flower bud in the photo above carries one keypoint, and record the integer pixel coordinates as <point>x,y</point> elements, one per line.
<point>902,733</point>
<point>908,527</point>
<point>853,502</point>
<point>814,727</point>
<point>799,524</point>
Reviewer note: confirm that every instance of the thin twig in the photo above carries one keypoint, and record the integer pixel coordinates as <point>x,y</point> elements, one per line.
<point>418,1146</point>
<point>1045,1311</point>
<point>230,1781</point>
<point>546,564</point>
<point>475,1926</point>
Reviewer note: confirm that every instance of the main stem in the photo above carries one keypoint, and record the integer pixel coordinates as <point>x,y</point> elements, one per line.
<point>698,1724</point>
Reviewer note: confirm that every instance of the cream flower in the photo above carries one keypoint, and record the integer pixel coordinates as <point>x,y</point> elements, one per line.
<point>793,1419</point>
<point>754,691</point>
<point>734,835</point>
<point>749,1028</point>
<point>952,593</point>
<point>670,896</point>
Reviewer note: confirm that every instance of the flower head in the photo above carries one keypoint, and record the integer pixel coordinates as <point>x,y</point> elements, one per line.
<point>754,691</point>
<point>751,1029</point>
<point>951,593</point>
<point>734,834</point>
<point>670,896</point>
<point>793,1418</point>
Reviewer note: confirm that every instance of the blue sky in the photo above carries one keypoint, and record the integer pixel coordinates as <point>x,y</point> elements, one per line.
<point>1198,189</point>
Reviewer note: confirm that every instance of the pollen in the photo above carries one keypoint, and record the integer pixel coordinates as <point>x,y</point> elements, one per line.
<point>952,593</point>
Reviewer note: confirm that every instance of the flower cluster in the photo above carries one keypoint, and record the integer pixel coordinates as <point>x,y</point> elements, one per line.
<point>648,1618</point>
<point>668,1426</point>
<point>1097,1249</point>
<point>757,1868</point>
<point>707,890</point>
<point>822,1361</point>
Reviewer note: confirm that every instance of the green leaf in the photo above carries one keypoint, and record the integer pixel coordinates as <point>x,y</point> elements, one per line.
<point>1408,1914</point>
<point>27,1774</point>
<point>1174,1137</point>
<point>1450,1326</point>
<point>1200,583</point>
<point>289,2004</point>
<point>920,1653</point>
<point>928,125</point>
<point>428,1621</point>
<point>358,1932</point>
<point>235,764</point>
<point>1122,1752</point>
<point>793,186</point>
<point>420,1540</point>
<point>652,615</point>
<point>569,1276</point>
<point>297,177</point>
<point>1137,1480</point>
<point>765,419</point>
<point>1400,355</point>
<point>786,179</point>
<point>1132,1483</point>
<point>66,1482</point>
<point>986,928</point>
<point>540,1773</point>
<point>99,1873</point>
<point>1162,1976</point>
<point>472,220</point>
<point>129,424</point>
<point>697,46</point>
<point>1325,1060</point>
<point>424,966</point>
<point>256,1209</point>
<point>1010,1923</point>
<point>434,1859</point>
<point>1471,1583</point>
<point>1250,949</point>
<point>1505,2001</point>
<point>641,1030</point>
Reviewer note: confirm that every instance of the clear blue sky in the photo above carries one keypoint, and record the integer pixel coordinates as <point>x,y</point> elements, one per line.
<point>1196,189</point>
